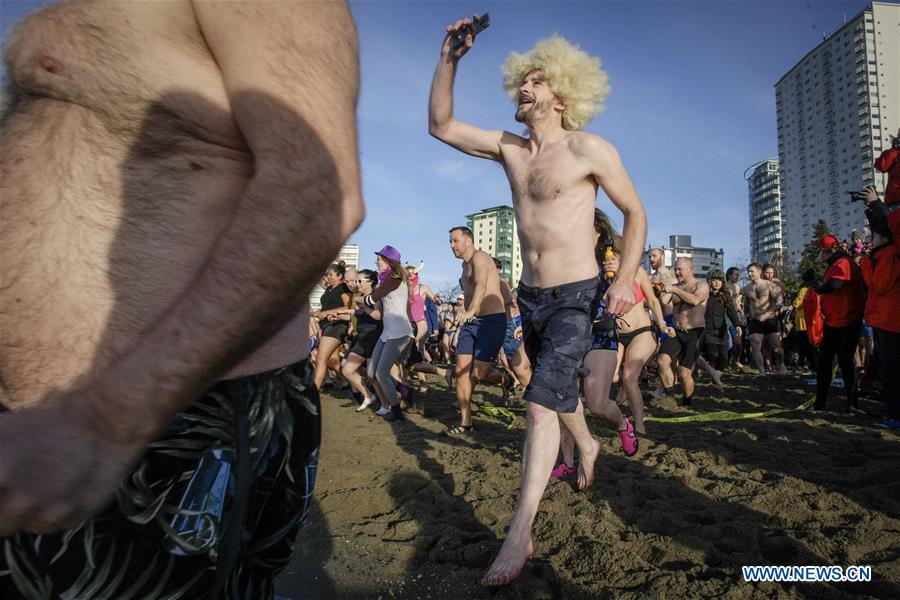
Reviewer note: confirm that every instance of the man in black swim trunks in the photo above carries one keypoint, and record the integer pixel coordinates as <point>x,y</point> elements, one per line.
<point>763,300</point>
<point>689,298</point>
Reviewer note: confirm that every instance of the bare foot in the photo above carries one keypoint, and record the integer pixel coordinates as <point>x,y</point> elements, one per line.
<point>586,467</point>
<point>509,563</point>
<point>717,380</point>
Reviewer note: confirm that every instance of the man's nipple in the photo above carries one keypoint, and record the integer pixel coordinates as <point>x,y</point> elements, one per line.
<point>48,64</point>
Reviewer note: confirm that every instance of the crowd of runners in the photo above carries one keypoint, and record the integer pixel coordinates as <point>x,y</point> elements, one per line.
<point>158,413</point>
<point>740,321</point>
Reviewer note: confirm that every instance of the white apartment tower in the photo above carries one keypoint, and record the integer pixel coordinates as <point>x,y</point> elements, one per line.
<point>764,193</point>
<point>837,109</point>
<point>706,260</point>
<point>495,232</point>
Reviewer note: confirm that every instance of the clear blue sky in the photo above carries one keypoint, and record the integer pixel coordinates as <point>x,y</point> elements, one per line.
<point>692,106</point>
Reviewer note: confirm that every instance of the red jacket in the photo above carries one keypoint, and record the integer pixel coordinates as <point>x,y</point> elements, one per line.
<point>881,272</point>
<point>889,162</point>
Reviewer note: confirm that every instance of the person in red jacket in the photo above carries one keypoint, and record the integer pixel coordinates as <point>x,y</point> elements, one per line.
<point>881,272</point>
<point>889,162</point>
<point>842,296</point>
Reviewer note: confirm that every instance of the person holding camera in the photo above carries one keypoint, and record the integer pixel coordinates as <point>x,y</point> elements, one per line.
<point>881,273</point>
<point>889,162</point>
<point>841,290</point>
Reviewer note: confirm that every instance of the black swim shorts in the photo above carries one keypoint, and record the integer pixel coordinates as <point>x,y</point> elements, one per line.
<point>766,327</point>
<point>365,342</point>
<point>335,329</point>
<point>556,330</point>
<point>684,346</point>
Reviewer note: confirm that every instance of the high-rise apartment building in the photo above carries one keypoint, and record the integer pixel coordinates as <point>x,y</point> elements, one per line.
<point>764,194</point>
<point>837,109</point>
<point>705,259</point>
<point>495,232</point>
<point>350,255</point>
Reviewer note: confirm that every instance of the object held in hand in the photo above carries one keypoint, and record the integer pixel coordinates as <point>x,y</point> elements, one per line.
<point>478,25</point>
<point>659,288</point>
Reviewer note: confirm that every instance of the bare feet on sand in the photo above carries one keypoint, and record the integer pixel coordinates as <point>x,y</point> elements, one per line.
<point>509,563</point>
<point>586,467</point>
<point>717,380</point>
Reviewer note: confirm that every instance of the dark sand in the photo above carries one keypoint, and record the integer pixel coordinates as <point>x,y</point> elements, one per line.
<point>402,512</point>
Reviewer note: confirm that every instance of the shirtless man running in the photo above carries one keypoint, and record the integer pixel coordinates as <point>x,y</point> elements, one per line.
<point>554,174</point>
<point>764,300</point>
<point>481,321</point>
<point>689,297</point>
<point>665,276</point>
<point>175,178</point>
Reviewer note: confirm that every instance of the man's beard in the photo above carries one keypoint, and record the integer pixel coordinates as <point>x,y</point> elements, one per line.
<point>525,114</point>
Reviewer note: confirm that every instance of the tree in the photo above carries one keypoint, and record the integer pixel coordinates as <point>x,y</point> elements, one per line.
<point>449,292</point>
<point>809,258</point>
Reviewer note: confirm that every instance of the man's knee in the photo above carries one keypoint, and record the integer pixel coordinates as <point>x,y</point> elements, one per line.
<point>347,370</point>
<point>463,367</point>
<point>540,414</point>
<point>482,371</point>
<point>664,361</point>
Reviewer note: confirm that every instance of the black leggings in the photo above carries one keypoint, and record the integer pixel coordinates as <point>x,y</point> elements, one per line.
<point>840,342</point>
<point>716,353</point>
<point>887,349</point>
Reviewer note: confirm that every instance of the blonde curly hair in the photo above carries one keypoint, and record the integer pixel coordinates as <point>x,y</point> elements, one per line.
<point>575,77</point>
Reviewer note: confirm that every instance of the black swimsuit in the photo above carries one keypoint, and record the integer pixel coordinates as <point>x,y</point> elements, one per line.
<point>331,299</point>
<point>627,337</point>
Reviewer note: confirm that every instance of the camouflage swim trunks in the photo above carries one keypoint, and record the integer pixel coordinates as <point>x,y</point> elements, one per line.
<point>556,330</point>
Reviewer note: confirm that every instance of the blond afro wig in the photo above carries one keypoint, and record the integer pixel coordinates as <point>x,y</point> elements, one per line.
<point>576,78</point>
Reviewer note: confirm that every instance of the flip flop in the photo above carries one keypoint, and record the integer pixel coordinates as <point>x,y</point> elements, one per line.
<point>629,439</point>
<point>562,470</point>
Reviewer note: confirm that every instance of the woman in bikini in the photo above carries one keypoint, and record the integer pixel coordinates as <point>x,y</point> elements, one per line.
<point>637,340</point>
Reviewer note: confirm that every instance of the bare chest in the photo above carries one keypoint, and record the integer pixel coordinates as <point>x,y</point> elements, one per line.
<point>545,177</point>
<point>122,61</point>
<point>467,280</point>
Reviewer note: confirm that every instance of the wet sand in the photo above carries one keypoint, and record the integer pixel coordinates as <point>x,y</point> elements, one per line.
<point>403,512</point>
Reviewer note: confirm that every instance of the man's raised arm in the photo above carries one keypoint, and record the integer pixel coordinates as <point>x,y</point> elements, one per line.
<point>441,124</point>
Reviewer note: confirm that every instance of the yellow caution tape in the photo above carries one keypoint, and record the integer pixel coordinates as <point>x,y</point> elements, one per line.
<point>499,412</point>
<point>728,415</point>
<point>722,415</point>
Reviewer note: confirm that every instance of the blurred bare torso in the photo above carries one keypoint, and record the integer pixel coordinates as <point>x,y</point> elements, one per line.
<point>121,167</point>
